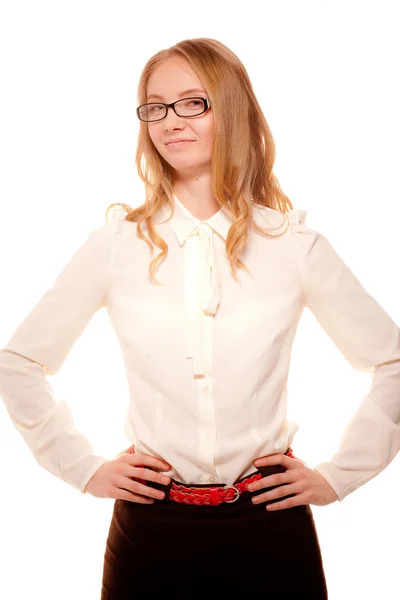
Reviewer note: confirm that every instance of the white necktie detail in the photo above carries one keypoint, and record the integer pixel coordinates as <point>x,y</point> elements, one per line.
<point>211,284</point>
<point>206,281</point>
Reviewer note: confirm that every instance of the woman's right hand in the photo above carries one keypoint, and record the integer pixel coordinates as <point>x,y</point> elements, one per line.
<point>116,478</point>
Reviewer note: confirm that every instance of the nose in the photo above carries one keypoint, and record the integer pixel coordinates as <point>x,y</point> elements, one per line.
<point>172,119</point>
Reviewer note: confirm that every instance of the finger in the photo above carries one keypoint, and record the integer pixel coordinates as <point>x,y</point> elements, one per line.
<point>122,494</point>
<point>146,459</point>
<point>272,480</point>
<point>278,492</point>
<point>297,500</point>
<point>144,490</point>
<point>147,475</point>
<point>276,459</point>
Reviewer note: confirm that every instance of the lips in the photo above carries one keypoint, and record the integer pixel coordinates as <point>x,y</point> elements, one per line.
<point>176,141</point>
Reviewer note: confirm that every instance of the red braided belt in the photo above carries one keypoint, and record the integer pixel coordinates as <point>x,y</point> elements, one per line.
<point>211,496</point>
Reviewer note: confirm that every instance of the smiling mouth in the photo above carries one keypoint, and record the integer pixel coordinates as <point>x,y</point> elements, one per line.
<point>181,143</point>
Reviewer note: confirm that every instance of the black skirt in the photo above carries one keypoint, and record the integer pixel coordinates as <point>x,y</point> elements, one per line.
<point>188,552</point>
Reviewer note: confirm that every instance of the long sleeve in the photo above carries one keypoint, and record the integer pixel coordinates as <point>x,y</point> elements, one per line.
<point>370,340</point>
<point>42,342</point>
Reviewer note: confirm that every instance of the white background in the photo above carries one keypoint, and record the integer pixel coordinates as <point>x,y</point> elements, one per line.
<point>326,76</point>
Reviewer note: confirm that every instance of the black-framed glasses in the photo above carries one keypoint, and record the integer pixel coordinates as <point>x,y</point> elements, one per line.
<point>187,107</point>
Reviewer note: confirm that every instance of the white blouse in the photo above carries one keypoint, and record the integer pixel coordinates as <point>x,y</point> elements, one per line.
<point>207,357</point>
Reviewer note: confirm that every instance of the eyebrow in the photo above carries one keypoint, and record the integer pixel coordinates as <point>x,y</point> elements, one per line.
<point>181,95</point>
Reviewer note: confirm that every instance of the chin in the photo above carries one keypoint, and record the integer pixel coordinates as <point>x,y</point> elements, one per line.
<point>185,165</point>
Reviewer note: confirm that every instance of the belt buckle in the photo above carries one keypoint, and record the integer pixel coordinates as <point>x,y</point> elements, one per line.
<point>236,491</point>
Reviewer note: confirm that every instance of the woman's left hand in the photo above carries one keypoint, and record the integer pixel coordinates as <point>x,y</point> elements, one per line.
<point>307,484</point>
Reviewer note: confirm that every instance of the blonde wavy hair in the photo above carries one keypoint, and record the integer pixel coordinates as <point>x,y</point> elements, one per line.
<point>243,151</point>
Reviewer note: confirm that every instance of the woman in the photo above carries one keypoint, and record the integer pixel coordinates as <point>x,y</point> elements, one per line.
<point>207,352</point>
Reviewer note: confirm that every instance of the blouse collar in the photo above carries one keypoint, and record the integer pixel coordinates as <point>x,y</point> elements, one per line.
<point>184,223</point>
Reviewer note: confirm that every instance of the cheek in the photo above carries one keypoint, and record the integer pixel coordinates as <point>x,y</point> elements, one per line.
<point>209,140</point>
<point>156,134</point>
<point>158,145</point>
<point>209,132</point>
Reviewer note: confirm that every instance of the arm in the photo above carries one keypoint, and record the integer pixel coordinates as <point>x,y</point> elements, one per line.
<point>38,348</point>
<point>370,340</point>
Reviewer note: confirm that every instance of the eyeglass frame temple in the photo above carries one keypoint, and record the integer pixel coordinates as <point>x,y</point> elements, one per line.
<point>206,102</point>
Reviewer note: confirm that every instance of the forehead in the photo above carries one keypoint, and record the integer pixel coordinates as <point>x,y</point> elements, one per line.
<point>172,77</point>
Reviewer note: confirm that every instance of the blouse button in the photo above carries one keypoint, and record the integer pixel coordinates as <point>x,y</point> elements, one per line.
<point>212,479</point>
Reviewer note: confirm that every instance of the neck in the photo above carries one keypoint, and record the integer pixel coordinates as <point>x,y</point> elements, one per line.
<point>195,193</point>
